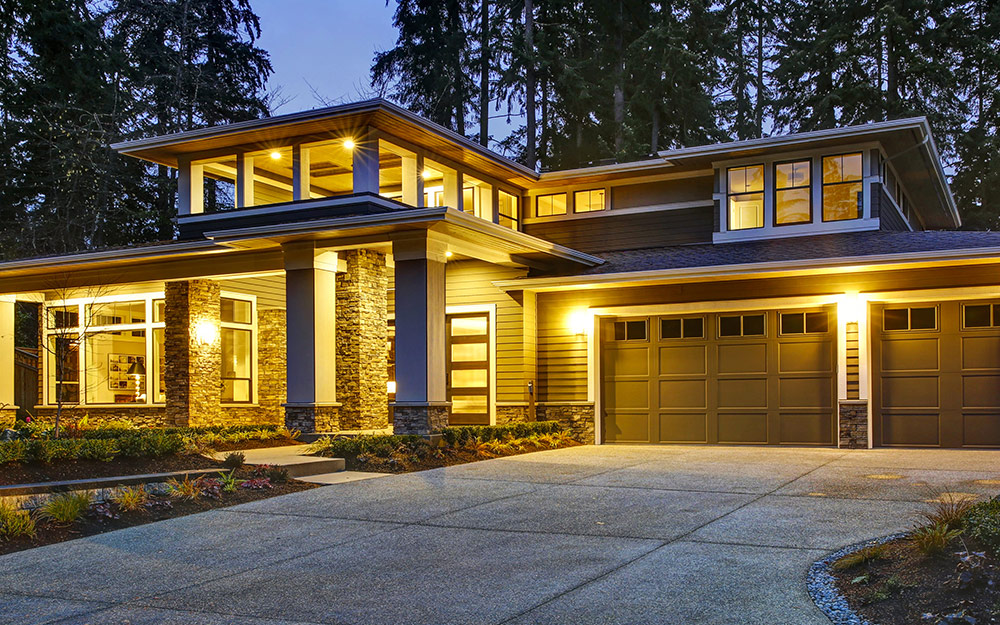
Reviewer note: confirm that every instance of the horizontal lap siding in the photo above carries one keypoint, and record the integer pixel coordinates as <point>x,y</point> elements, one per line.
<point>662,192</point>
<point>629,231</point>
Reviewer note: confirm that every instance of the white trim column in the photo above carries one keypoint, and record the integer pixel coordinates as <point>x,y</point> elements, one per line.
<point>190,187</point>
<point>421,405</point>
<point>244,181</point>
<point>7,329</point>
<point>310,296</point>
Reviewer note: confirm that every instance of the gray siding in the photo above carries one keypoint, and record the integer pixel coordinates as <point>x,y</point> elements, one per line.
<point>662,192</point>
<point>886,211</point>
<point>629,231</point>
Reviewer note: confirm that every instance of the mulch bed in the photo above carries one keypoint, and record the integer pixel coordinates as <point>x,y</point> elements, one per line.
<point>87,469</point>
<point>906,585</point>
<point>164,508</point>
<point>449,456</point>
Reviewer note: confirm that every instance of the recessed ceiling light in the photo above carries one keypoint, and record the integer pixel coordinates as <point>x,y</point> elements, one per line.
<point>349,144</point>
<point>447,254</point>
<point>427,174</point>
<point>276,155</point>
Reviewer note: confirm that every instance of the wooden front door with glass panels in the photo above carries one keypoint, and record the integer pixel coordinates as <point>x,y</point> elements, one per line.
<point>469,368</point>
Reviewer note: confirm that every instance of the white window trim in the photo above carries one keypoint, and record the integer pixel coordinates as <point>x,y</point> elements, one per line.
<point>252,326</point>
<point>817,225</point>
<point>82,330</point>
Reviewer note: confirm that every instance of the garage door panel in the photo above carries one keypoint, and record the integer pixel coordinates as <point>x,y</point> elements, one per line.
<point>981,391</point>
<point>742,393</point>
<point>623,426</point>
<point>627,361</point>
<point>805,357</point>
<point>806,429</point>
<point>628,394</point>
<point>683,427</point>
<point>683,394</point>
<point>981,352</point>
<point>683,359</point>
<point>981,430</point>
<point>910,392</point>
<point>811,392</point>
<point>743,358</point>
<point>910,355</point>
<point>745,427</point>
<point>910,429</point>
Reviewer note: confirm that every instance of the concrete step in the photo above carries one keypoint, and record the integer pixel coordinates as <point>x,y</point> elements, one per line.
<point>292,458</point>
<point>342,477</point>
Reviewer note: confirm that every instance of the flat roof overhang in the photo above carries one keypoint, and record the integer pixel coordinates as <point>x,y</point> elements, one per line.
<point>324,124</point>
<point>257,249</point>
<point>758,271</point>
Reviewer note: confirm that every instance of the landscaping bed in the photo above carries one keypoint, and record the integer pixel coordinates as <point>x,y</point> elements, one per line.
<point>947,571</point>
<point>23,529</point>
<point>86,469</point>
<point>458,445</point>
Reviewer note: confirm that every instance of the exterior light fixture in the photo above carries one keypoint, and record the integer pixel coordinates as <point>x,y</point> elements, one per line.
<point>390,387</point>
<point>427,174</point>
<point>206,332</point>
<point>448,254</point>
<point>579,322</point>
<point>850,307</point>
<point>276,155</point>
<point>348,144</point>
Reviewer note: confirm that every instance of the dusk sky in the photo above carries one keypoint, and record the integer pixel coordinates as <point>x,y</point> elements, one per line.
<point>328,44</point>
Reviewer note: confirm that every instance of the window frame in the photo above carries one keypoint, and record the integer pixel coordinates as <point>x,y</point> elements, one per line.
<point>775,190</point>
<point>762,193</point>
<point>604,204</point>
<point>254,342</point>
<point>741,316</point>
<point>643,320</point>
<point>823,185</point>
<point>805,322</point>
<point>683,336</point>
<point>538,199</point>
<point>516,219</point>
<point>994,324</point>
<point>909,318</point>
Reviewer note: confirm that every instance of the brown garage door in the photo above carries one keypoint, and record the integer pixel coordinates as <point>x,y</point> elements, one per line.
<point>936,374</point>
<point>753,377</point>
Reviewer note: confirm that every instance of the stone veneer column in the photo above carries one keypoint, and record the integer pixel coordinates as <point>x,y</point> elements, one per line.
<point>272,387</point>
<point>362,354</point>
<point>193,352</point>
<point>853,420</point>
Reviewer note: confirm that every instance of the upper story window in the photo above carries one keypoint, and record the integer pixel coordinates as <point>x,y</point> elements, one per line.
<point>746,197</point>
<point>549,205</point>
<point>792,193</point>
<point>842,186</point>
<point>588,201</point>
<point>507,210</point>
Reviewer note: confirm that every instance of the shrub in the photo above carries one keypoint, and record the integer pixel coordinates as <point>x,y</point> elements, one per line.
<point>130,498</point>
<point>13,451</point>
<point>859,557</point>
<point>97,449</point>
<point>461,434</point>
<point>66,508</point>
<point>256,484</point>
<point>182,489</point>
<point>933,539</point>
<point>15,522</point>
<point>234,460</point>
<point>982,522</point>
<point>276,475</point>
<point>379,445</point>
<point>209,487</point>
<point>229,481</point>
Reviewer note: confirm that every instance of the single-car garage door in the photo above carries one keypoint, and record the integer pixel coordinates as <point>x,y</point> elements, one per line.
<point>936,374</point>
<point>765,377</point>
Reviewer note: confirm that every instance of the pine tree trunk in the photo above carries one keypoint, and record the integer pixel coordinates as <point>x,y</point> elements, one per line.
<point>654,135</point>
<point>529,83</point>
<point>484,73</point>
<point>758,114</point>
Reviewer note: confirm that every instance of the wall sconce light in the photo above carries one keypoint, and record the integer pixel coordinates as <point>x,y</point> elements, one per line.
<point>348,144</point>
<point>850,307</point>
<point>390,387</point>
<point>427,174</point>
<point>580,322</point>
<point>206,332</point>
<point>448,254</point>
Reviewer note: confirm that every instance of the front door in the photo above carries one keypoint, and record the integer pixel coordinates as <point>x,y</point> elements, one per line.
<point>468,353</point>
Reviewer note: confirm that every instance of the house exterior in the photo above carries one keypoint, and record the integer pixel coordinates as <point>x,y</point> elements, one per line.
<point>373,270</point>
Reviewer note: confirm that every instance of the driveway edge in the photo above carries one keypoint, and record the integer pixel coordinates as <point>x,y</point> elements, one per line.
<point>823,590</point>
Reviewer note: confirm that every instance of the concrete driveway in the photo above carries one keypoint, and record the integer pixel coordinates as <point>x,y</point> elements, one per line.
<point>624,534</point>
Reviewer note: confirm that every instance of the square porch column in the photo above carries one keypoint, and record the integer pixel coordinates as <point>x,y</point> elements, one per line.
<point>421,405</point>
<point>8,410</point>
<point>362,353</point>
<point>310,300</point>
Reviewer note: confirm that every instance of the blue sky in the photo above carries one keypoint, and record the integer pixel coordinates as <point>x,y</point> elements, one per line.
<point>322,45</point>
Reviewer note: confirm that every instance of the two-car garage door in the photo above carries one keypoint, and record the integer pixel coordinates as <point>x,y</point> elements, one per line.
<point>765,377</point>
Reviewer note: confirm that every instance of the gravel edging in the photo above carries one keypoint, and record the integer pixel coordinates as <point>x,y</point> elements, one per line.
<point>823,590</point>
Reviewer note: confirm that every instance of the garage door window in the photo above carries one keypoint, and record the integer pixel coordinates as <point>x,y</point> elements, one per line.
<point>686,328</point>
<point>897,319</point>
<point>630,330</point>
<point>804,323</point>
<point>741,325</point>
<point>981,315</point>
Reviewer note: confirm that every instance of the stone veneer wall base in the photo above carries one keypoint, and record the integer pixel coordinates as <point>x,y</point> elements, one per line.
<point>7,417</point>
<point>577,418</point>
<point>853,424</point>
<point>512,414</point>
<point>421,419</point>
<point>310,419</point>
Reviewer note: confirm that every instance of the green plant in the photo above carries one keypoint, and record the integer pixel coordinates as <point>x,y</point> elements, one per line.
<point>982,522</point>
<point>234,460</point>
<point>96,449</point>
<point>229,481</point>
<point>130,498</point>
<point>182,489</point>
<point>859,557</point>
<point>15,522</point>
<point>13,451</point>
<point>461,434</point>
<point>66,508</point>
<point>950,511</point>
<point>933,539</point>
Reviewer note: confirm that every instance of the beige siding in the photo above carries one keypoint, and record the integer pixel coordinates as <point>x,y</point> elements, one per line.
<point>269,290</point>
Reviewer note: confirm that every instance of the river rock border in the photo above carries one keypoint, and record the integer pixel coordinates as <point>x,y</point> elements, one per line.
<point>823,589</point>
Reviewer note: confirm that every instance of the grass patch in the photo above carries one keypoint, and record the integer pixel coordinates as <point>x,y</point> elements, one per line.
<point>862,556</point>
